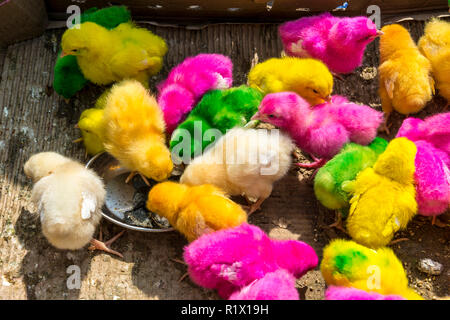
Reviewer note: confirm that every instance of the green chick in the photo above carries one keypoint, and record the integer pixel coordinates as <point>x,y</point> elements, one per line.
<point>340,170</point>
<point>68,78</point>
<point>220,110</point>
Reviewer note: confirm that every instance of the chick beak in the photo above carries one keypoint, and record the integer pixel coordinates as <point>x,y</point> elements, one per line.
<point>255,117</point>
<point>327,98</point>
<point>379,33</point>
<point>63,54</point>
<point>76,126</point>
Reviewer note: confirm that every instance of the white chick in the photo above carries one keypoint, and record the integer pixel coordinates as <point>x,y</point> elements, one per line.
<point>69,199</point>
<point>243,162</point>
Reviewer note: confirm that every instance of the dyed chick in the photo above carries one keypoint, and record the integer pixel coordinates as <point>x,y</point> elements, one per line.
<point>348,293</point>
<point>348,264</point>
<point>309,78</point>
<point>68,78</point>
<point>406,84</point>
<point>107,56</point>
<point>321,131</point>
<point>194,211</point>
<point>432,174</point>
<point>435,45</point>
<point>133,131</point>
<point>69,199</point>
<point>189,81</point>
<point>243,162</point>
<point>338,42</point>
<point>231,259</point>
<point>372,222</point>
<point>91,126</point>
<point>277,285</point>
<point>341,169</point>
<point>220,110</point>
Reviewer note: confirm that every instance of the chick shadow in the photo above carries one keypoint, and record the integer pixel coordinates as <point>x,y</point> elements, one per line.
<point>154,271</point>
<point>45,269</point>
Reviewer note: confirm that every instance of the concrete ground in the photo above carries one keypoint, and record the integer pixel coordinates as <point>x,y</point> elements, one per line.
<point>33,118</point>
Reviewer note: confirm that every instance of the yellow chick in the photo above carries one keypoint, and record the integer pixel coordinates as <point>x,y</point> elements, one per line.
<point>383,197</point>
<point>405,78</point>
<point>133,131</point>
<point>194,211</point>
<point>69,199</point>
<point>348,264</point>
<point>243,162</point>
<point>435,45</point>
<point>91,126</point>
<point>106,56</point>
<point>308,77</point>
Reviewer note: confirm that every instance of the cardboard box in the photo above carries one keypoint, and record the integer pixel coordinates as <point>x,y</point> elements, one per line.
<point>21,20</point>
<point>244,10</point>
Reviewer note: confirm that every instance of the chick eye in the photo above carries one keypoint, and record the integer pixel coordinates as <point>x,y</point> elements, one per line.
<point>315,91</point>
<point>271,116</point>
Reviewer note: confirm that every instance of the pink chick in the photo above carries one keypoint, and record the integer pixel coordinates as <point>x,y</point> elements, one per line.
<point>338,42</point>
<point>277,285</point>
<point>321,130</point>
<point>231,259</point>
<point>432,174</point>
<point>348,293</point>
<point>189,81</point>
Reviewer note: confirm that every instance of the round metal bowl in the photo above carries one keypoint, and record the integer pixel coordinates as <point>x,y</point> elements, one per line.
<point>119,195</point>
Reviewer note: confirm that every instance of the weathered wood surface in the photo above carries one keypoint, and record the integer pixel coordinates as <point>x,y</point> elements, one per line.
<point>34,119</point>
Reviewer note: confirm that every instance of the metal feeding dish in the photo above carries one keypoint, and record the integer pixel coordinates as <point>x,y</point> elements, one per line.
<point>125,203</point>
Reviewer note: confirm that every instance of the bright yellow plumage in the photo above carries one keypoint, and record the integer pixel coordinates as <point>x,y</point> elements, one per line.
<point>348,264</point>
<point>435,45</point>
<point>310,78</point>
<point>134,131</point>
<point>196,210</point>
<point>106,56</point>
<point>383,197</point>
<point>406,84</point>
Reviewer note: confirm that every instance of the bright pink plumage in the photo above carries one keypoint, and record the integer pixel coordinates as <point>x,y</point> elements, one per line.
<point>321,130</point>
<point>432,175</point>
<point>344,293</point>
<point>189,81</point>
<point>278,285</point>
<point>338,42</point>
<point>228,260</point>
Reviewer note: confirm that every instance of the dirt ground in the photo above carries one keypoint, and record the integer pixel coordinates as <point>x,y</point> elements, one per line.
<point>35,119</point>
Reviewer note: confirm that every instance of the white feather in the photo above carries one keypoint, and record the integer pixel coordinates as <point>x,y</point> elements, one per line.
<point>88,205</point>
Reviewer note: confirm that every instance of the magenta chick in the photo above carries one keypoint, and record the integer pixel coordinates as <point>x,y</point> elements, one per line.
<point>432,175</point>
<point>338,42</point>
<point>349,293</point>
<point>189,81</point>
<point>230,259</point>
<point>321,130</point>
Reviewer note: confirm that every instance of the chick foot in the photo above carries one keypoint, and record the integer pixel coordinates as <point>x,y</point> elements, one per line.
<point>104,246</point>
<point>384,126</point>
<point>183,263</point>
<point>436,221</point>
<point>318,163</point>
<point>338,223</point>
<point>397,241</point>
<point>255,206</point>
<point>132,174</point>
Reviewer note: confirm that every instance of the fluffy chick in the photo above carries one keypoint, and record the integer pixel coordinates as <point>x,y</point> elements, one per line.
<point>435,45</point>
<point>277,285</point>
<point>230,259</point>
<point>372,222</point>
<point>405,78</point>
<point>338,42</point>
<point>189,81</point>
<point>243,162</point>
<point>68,78</point>
<point>342,168</point>
<point>309,78</point>
<point>321,131</point>
<point>194,211</point>
<point>134,131</point>
<point>348,293</point>
<point>69,199</point>
<point>348,264</point>
<point>106,56</point>
<point>432,174</point>
<point>220,110</point>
